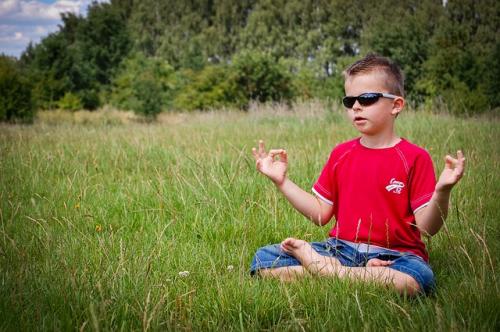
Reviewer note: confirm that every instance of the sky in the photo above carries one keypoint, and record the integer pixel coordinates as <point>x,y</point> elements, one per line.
<point>22,21</point>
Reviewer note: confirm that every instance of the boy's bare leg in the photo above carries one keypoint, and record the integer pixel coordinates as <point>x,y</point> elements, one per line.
<point>290,273</point>
<point>286,273</point>
<point>327,266</point>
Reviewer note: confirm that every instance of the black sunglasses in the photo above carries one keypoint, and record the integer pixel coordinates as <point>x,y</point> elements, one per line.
<point>365,99</point>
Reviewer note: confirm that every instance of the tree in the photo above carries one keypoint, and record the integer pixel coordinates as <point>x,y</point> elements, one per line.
<point>102,43</point>
<point>463,62</point>
<point>15,104</point>
<point>206,89</point>
<point>405,36</point>
<point>79,58</point>
<point>143,85</point>
<point>257,76</point>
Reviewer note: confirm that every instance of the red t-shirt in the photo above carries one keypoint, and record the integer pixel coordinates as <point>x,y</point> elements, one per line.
<point>375,193</point>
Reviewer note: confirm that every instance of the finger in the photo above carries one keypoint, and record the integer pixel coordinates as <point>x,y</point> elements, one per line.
<point>258,164</point>
<point>284,247</point>
<point>275,152</point>
<point>461,157</point>
<point>281,154</point>
<point>284,157</point>
<point>262,149</point>
<point>287,243</point>
<point>255,154</point>
<point>450,162</point>
<point>460,166</point>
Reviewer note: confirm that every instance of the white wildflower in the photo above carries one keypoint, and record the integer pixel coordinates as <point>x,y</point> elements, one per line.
<point>230,268</point>
<point>183,274</point>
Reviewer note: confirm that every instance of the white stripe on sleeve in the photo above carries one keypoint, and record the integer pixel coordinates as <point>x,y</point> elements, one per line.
<point>321,197</point>
<point>420,207</point>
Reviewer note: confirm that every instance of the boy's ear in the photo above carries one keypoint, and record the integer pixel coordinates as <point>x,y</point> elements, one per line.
<point>398,105</point>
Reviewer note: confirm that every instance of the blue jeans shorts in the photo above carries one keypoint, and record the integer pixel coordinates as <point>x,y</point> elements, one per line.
<point>352,255</point>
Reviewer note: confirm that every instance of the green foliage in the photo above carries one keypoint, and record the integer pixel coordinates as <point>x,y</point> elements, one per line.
<point>462,61</point>
<point>207,89</point>
<point>90,98</point>
<point>491,79</point>
<point>228,52</point>
<point>15,92</point>
<point>189,34</point>
<point>309,81</point>
<point>50,67</point>
<point>102,43</point>
<point>259,77</point>
<point>253,76</point>
<point>309,30</point>
<point>70,102</point>
<point>461,100</point>
<point>80,58</point>
<point>143,85</point>
<point>405,37</point>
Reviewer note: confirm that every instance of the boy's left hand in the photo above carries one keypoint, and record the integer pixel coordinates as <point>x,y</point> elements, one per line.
<point>452,172</point>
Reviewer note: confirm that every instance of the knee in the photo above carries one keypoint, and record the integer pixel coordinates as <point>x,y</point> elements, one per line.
<point>407,285</point>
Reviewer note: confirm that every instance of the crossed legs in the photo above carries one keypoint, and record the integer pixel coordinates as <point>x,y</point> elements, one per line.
<point>376,270</point>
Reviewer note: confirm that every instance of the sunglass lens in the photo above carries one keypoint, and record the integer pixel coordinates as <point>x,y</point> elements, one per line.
<point>368,99</point>
<point>349,101</point>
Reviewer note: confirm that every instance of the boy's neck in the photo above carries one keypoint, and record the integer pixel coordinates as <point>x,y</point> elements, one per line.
<point>379,142</point>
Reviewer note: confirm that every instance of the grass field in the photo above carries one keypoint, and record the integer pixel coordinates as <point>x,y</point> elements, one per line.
<point>100,219</point>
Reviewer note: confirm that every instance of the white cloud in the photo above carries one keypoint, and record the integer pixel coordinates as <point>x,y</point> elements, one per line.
<point>41,30</point>
<point>35,10</point>
<point>42,11</point>
<point>8,6</point>
<point>25,21</point>
<point>18,35</point>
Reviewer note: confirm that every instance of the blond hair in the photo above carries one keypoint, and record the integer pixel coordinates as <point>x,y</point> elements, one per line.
<point>372,62</point>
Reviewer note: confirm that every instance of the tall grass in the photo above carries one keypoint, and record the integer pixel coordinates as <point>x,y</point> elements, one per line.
<point>98,220</point>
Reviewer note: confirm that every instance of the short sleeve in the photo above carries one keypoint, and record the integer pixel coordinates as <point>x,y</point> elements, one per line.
<point>324,187</point>
<point>422,181</point>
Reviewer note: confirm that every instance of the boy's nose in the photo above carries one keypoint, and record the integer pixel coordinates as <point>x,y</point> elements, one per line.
<point>356,107</point>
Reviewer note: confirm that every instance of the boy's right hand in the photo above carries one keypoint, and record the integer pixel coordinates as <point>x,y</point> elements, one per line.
<point>274,169</point>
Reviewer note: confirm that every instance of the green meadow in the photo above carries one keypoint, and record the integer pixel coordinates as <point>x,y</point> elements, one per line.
<point>109,223</point>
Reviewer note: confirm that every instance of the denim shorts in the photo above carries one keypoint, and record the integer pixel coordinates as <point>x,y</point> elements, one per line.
<point>349,254</point>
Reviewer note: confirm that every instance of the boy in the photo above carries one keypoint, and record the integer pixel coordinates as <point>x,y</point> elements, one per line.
<point>381,189</point>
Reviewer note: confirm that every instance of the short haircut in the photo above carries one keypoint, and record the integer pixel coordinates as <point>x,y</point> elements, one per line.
<point>372,62</point>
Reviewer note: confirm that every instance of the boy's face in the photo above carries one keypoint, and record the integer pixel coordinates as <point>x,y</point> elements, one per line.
<point>377,118</point>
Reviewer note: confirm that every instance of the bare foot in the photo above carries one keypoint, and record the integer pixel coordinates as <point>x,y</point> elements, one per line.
<point>377,262</point>
<point>296,247</point>
<point>308,257</point>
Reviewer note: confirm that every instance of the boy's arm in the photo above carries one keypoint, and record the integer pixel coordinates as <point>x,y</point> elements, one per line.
<point>308,204</point>
<point>275,169</point>
<point>430,219</point>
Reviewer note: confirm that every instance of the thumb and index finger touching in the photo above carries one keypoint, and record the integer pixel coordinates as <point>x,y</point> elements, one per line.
<point>261,152</point>
<point>281,153</point>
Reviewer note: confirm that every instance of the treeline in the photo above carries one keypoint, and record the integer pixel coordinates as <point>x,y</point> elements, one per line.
<point>154,55</point>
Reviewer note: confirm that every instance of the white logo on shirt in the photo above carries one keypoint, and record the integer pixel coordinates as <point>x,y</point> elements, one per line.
<point>395,186</point>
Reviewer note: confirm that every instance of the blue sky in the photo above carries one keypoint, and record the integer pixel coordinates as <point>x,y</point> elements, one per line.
<point>22,21</point>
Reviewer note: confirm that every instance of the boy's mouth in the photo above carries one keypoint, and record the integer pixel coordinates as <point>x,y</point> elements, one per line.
<point>359,118</point>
